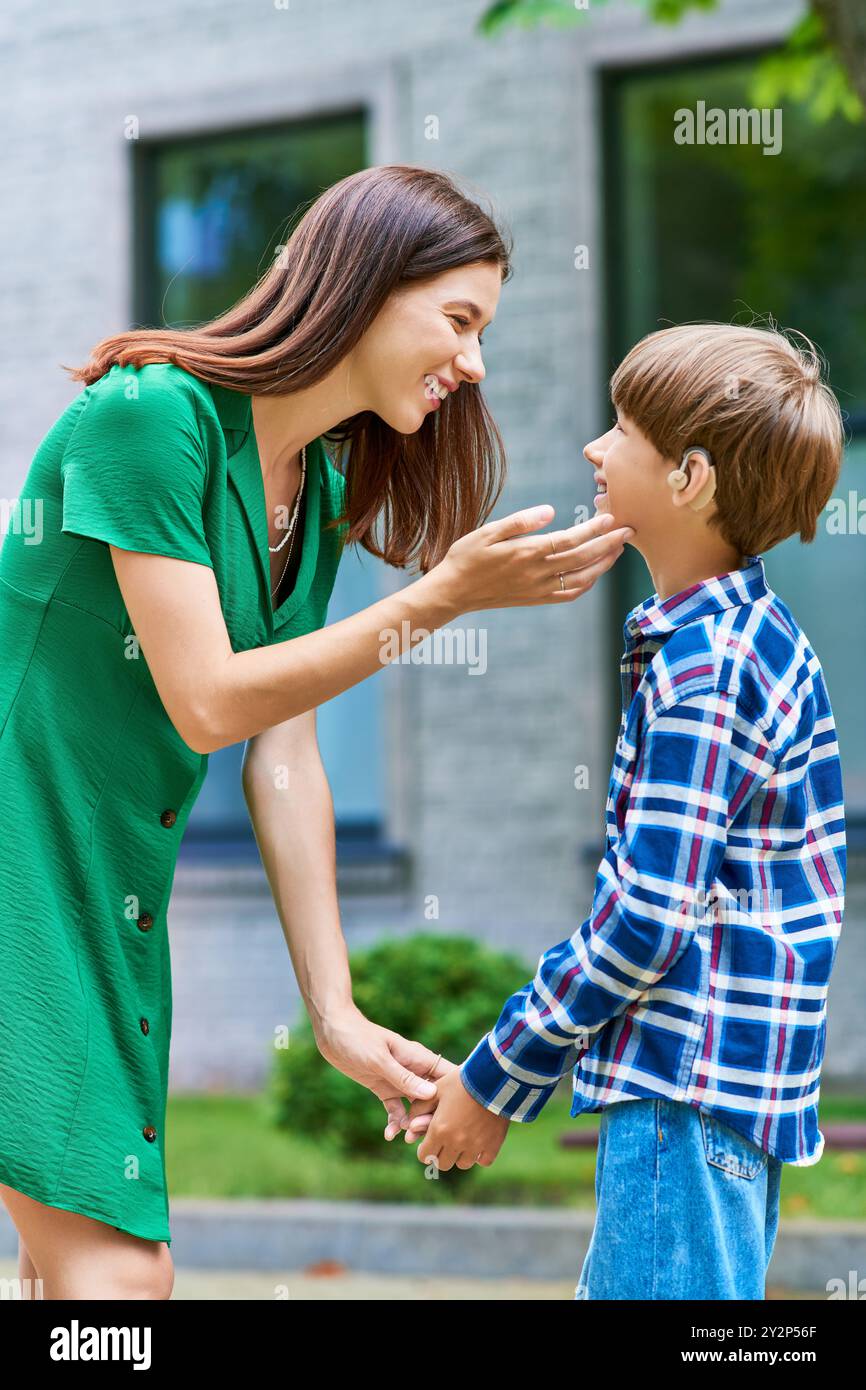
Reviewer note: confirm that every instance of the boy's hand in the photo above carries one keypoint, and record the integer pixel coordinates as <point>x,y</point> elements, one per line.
<point>421,1108</point>
<point>420,1112</point>
<point>461,1131</point>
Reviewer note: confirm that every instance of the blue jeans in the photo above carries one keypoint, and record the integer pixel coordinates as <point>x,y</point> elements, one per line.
<point>686,1207</point>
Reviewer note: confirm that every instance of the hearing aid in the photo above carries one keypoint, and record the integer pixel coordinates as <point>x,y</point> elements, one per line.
<point>678,478</point>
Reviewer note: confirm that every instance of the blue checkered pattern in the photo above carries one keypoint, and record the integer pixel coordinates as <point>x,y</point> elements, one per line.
<point>701,973</point>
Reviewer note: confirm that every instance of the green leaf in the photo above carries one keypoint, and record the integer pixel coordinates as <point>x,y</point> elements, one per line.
<point>526,14</point>
<point>564,13</point>
<point>807,71</point>
<point>672,11</point>
<point>497,16</point>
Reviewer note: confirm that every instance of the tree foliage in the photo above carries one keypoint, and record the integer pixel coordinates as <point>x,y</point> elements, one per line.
<point>821,66</point>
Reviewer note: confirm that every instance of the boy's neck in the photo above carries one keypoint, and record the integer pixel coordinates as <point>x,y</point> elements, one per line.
<point>675,567</point>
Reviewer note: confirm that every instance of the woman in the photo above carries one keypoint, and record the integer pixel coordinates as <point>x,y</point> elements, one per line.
<point>191,525</point>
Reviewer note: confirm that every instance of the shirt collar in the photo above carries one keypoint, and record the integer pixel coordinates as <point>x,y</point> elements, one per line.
<point>235,412</point>
<point>234,409</point>
<point>657,617</point>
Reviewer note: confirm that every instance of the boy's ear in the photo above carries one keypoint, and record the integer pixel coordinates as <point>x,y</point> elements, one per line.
<point>693,482</point>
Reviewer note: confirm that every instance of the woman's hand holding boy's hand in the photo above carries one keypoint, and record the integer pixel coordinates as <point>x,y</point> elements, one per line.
<point>421,1108</point>
<point>458,1130</point>
<point>420,1112</point>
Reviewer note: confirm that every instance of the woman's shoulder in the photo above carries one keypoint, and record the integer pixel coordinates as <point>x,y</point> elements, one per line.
<point>163,385</point>
<point>160,408</point>
<point>136,469</point>
<point>141,425</point>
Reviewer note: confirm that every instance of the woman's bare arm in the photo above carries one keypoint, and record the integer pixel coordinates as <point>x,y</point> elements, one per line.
<point>292,814</point>
<point>215,696</point>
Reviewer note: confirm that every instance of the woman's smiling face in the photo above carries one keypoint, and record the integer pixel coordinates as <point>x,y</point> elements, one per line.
<point>422,330</point>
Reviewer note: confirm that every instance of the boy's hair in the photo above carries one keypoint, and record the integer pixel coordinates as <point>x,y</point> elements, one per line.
<point>757,402</point>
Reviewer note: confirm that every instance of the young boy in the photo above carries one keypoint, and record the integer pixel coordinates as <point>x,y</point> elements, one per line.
<point>696,989</point>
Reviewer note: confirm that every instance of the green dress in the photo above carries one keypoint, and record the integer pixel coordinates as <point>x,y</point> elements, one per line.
<point>96,783</point>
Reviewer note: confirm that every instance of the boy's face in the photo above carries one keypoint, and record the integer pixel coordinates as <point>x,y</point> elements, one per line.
<point>633,475</point>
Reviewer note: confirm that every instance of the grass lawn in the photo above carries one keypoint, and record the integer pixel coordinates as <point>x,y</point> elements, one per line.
<point>227,1146</point>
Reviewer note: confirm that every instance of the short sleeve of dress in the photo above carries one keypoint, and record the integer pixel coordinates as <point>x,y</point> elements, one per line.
<point>134,471</point>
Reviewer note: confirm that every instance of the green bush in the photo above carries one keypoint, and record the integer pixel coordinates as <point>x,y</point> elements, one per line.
<point>443,991</point>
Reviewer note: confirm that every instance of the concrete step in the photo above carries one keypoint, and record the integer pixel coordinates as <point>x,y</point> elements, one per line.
<point>543,1243</point>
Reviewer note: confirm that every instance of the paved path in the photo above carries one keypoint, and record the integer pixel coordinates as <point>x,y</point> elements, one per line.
<point>236,1285</point>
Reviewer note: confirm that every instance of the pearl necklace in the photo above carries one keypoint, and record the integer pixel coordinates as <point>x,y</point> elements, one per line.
<point>290,531</point>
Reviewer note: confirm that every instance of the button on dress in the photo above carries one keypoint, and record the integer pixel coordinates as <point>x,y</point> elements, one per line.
<point>96,783</point>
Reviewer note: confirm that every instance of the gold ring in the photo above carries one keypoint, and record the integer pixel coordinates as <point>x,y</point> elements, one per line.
<point>552,546</point>
<point>433,1068</point>
<point>562,583</point>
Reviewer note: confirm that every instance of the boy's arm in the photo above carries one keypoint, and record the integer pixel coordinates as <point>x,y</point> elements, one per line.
<point>699,763</point>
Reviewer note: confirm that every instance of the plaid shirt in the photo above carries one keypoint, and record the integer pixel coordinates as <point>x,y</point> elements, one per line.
<point>701,973</point>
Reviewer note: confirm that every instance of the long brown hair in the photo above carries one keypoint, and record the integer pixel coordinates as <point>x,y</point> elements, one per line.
<point>370,233</point>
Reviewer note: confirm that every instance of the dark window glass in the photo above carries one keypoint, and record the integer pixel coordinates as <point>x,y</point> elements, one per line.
<point>701,231</point>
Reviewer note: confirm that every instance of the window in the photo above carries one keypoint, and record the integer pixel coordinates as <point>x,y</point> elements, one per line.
<point>706,231</point>
<point>210,212</point>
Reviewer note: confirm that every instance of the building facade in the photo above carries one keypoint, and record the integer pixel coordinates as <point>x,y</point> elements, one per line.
<point>156,152</point>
